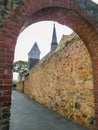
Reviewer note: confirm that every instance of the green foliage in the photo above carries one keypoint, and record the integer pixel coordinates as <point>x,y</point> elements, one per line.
<point>14,85</point>
<point>21,67</point>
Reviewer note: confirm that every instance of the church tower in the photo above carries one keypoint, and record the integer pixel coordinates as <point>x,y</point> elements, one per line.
<point>33,55</point>
<point>54,40</point>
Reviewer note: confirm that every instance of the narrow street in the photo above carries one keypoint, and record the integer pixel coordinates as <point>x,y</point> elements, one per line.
<point>29,115</point>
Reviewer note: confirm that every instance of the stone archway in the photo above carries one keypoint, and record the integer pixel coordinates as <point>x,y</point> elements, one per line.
<point>80,15</point>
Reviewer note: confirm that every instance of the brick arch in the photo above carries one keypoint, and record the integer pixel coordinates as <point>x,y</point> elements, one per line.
<point>80,15</point>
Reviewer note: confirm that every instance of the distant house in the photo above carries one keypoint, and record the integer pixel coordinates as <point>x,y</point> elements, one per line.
<point>34,56</point>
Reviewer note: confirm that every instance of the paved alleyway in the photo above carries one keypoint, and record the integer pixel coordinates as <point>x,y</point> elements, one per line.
<point>29,115</point>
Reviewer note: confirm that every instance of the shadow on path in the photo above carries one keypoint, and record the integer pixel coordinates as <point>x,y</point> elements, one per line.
<point>29,115</point>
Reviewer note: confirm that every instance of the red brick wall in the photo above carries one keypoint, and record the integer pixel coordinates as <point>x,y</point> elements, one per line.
<point>73,13</point>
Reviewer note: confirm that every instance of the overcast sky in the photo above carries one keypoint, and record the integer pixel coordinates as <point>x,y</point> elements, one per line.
<point>41,33</point>
<point>96,1</point>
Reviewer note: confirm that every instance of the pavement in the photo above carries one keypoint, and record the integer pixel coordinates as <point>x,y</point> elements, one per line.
<point>27,114</point>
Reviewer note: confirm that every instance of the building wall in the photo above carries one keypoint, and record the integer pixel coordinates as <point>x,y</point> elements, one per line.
<point>64,82</point>
<point>32,62</point>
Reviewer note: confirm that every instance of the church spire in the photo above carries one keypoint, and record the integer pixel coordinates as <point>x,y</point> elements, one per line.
<point>54,40</point>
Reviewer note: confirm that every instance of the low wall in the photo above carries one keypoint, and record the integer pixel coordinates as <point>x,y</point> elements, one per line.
<point>20,86</point>
<point>63,81</point>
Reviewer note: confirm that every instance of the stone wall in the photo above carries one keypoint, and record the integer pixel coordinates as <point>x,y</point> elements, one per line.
<point>4,118</point>
<point>64,82</point>
<point>20,86</point>
<point>5,107</point>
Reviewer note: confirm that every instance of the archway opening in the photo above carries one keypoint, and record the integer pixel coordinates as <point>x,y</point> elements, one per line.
<point>76,104</point>
<point>40,32</point>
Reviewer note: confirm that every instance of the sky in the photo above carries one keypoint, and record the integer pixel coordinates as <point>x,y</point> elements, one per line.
<point>41,33</point>
<point>96,1</point>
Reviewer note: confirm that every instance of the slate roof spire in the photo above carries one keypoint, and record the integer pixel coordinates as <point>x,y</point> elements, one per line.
<point>34,50</point>
<point>54,40</point>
